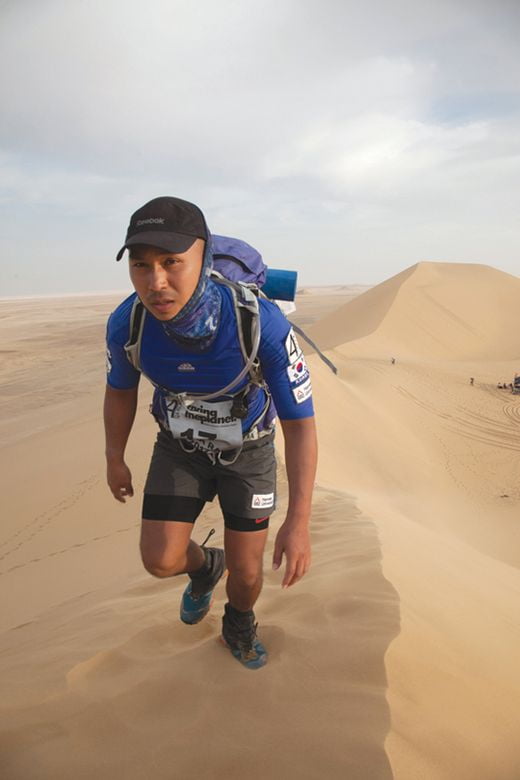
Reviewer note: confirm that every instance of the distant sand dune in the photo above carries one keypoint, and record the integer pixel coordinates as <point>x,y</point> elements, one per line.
<point>431,310</point>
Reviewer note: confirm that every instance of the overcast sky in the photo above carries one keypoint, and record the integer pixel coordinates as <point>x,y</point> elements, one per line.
<point>347,140</point>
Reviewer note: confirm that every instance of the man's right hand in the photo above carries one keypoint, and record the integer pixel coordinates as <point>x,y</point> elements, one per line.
<point>119,480</point>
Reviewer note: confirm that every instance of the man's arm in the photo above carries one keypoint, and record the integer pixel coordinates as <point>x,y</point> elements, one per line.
<point>292,540</point>
<point>119,413</point>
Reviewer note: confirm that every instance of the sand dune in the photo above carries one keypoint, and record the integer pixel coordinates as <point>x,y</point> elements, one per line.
<point>160,694</point>
<point>396,657</point>
<point>450,547</point>
<point>431,311</point>
<point>436,461</point>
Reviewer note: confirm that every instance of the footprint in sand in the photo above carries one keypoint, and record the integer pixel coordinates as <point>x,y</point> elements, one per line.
<point>41,521</point>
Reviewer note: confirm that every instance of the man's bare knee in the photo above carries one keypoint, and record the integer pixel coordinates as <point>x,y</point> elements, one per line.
<point>162,565</point>
<point>247,576</point>
<point>164,547</point>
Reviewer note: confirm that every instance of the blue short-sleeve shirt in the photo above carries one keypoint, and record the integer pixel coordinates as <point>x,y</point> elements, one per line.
<point>173,366</point>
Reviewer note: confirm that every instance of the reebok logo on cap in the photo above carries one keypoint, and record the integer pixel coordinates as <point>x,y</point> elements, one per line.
<point>151,221</point>
<point>166,223</point>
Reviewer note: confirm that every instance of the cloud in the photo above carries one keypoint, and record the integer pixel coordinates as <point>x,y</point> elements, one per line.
<point>123,86</point>
<point>304,126</point>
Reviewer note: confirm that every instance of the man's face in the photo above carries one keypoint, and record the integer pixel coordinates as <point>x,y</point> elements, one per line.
<point>165,281</point>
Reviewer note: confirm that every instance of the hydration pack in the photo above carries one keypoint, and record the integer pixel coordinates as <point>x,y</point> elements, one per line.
<point>240,267</point>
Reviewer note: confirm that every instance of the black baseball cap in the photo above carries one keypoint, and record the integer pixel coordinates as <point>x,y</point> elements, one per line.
<point>167,223</point>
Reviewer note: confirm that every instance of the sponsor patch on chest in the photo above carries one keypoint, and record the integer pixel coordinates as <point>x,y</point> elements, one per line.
<point>262,500</point>
<point>185,367</point>
<point>302,392</point>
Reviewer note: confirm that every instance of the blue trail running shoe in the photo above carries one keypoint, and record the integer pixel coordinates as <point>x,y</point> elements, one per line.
<point>239,635</point>
<point>196,599</point>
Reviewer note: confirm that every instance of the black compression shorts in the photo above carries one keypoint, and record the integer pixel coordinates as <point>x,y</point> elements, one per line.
<point>179,483</point>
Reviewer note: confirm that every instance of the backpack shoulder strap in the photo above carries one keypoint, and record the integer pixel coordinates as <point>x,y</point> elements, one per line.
<point>318,351</point>
<point>135,333</point>
<point>247,310</point>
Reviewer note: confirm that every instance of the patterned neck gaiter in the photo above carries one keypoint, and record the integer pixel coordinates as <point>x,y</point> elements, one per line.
<point>196,325</point>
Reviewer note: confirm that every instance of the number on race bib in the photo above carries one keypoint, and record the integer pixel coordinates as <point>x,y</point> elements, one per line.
<point>207,435</point>
<point>217,428</point>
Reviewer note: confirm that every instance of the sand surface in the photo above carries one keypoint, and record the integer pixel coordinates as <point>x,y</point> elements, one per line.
<point>396,657</point>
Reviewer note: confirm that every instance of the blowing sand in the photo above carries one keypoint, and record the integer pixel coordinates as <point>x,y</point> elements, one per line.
<point>396,657</point>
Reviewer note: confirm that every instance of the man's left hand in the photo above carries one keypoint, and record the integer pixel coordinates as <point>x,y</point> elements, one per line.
<point>293,541</point>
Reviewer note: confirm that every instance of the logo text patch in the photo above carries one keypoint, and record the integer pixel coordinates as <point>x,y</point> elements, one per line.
<point>262,500</point>
<point>302,392</point>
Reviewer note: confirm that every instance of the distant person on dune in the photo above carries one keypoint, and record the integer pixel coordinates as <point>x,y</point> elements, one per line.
<point>215,407</point>
<point>472,380</point>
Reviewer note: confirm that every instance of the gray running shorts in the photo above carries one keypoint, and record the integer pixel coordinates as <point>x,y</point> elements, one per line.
<point>245,489</point>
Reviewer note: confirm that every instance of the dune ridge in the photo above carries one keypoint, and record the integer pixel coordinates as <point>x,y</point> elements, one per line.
<point>157,685</point>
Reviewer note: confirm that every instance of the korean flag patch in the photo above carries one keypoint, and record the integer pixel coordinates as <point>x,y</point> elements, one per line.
<point>298,371</point>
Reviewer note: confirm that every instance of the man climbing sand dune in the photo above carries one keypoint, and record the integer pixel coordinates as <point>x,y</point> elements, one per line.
<point>215,402</point>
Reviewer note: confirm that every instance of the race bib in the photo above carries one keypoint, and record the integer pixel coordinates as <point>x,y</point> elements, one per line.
<point>205,426</point>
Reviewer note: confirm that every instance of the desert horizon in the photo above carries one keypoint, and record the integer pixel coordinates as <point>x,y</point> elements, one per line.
<point>395,658</point>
